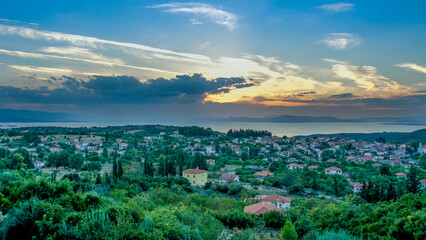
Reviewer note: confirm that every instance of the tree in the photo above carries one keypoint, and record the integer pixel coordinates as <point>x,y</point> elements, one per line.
<point>288,231</point>
<point>114,169</point>
<point>105,153</point>
<point>120,171</point>
<point>412,182</point>
<point>180,162</point>
<point>422,161</point>
<point>244,156</point>
<point>76,161</point>
<point>162,167</point>
<point>170,167</point>
<point>92,166</point>
<point>390,193</point>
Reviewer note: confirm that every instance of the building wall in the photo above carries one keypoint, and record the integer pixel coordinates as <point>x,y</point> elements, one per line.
<point>196,179</point>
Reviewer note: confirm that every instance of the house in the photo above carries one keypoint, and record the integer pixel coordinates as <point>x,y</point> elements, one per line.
<point>210,161</point>
<point>260,208</point>
<point>226,178</point>
<point>293,166</point>
<point>333,170</point>
<point>279,201</point>
<point>122,145</point>
<point>357,186</point>
<point>210,149</point>
<point>313,167</point>
<point>401,175</point>
<point>263,174</point>
<point>196,177</point>
<point>376,165</point>
<point>423,184</point>
<point>38,164</point>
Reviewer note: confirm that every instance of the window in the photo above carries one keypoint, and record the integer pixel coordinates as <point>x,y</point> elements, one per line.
<point>194,176</point>
<point>194,182</point>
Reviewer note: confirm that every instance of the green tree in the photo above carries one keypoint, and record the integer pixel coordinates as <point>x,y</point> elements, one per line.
<point>76,161</point>
<point>412,181</point>
<point>120,170</point>
<point>105,153</point>
<point>422,161</point>
<point>288,231</point>
<point>114,169</point>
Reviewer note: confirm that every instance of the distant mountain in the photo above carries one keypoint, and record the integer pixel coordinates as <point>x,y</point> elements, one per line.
<point>391,137</point>
<point>11,115</point>
<point>415,120</point>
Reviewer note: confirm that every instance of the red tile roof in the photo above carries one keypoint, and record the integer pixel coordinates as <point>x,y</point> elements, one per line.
<point>333,169</point>
<point>401,174</point>
<point>194,171</point>
<point>263,174</point>
<point>423,181</point>
<point>273,198</point>
<point>260,208</point>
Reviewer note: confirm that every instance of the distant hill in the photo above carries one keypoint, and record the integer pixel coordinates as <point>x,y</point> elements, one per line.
<point>391,137</point>
<point>413,120</point>
<point>11,115</point>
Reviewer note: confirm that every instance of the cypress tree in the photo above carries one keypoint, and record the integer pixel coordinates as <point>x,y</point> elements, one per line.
<point>162,168</point>
<point>120,171</point>
<point>180,163</point>
<point>114,169</point>
<point>412,182</point>
<point>390,193</point>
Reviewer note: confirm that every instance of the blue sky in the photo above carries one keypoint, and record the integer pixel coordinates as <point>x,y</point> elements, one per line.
<point>240,58</point>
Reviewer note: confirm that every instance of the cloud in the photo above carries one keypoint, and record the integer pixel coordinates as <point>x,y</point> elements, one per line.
<point>78,40</point>
<point>367,78</point>
<point>337,7</point>
<point>413,66</point>
<point>202,10</point>
<point>195,21</point>
<point>81,53</point>
<point>124,90</point>
<point>49,56</point>
<point>343,95</point>
<point>8,21</point>
<point>341,41</point>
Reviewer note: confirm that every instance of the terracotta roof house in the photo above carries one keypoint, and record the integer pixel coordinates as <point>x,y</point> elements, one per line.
<point>293,166</point>
<point>196,177</point>
<point>211,161</point>
<point>279,201</point>
<point>333,170</point>
<point>423,184</point>
<point>376,165</point>
<point>263,174</point>
<point>357,186</point>
<point>401,175</point>
<point>226,178</point>
<point>313,167</point>
<point>260,208</point>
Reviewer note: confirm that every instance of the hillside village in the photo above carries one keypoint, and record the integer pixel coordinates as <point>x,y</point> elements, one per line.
<point>267,173</point>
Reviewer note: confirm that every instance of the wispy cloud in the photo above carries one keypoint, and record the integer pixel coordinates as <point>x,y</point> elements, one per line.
<point>337,7</point>
<point>413,66</point>
<point>78,40</point>
<point>195,21</point>
<point>202,10</point>
<point>8,21</point>
<point>341,41</point>
<point>105,63</point>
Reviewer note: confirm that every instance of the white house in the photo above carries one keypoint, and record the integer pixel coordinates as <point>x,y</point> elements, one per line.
<point>279,201</point>
<point>333,170</point>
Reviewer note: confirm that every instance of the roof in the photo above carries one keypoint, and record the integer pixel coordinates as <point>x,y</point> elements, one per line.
<point>226,176</point>
<point>263,174</point>
<point>194,171</point>
<point>314,166</point>
<point>293,165</point>
<point>333,169</point>
<point>260,208</point>
<point>401,174</point>
<point>357,184</point>
<point>273,198</point>
<point>423,181</point>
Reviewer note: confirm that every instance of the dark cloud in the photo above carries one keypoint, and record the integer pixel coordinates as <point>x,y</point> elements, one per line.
<point>343,95</point>
<point>304,93</point>
<point>124,90</point>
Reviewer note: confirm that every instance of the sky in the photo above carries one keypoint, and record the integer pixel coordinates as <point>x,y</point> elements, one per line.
<point>184,60</point>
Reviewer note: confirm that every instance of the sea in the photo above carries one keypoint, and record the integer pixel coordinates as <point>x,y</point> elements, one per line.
<point>278,129</point>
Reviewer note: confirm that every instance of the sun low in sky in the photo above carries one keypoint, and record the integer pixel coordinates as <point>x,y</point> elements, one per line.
<point>215,58</point>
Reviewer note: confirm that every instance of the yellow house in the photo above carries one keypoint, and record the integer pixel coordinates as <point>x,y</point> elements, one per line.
<point>196,177</point>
